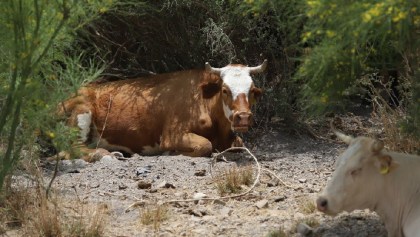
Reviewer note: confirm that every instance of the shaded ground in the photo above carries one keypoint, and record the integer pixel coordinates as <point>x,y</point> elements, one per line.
<point>302,162</point>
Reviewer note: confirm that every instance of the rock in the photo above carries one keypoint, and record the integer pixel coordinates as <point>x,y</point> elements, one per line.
<point>279,198</point>
<point>122,186</point>
<point>198,196</point>
<point>304,230</point>
<point>143,185</point>
<point>72,166</point>
<point>107,159</point>
<point>165,184</point>
<point>273,183</point>
<point>94,185</point>
<point>262,204</point>
<point>220,202</point>
<point>226,211</point>
<point>143,171</point>
<point>197,212</point>
<point>200,173</point>
<point>302,181</point>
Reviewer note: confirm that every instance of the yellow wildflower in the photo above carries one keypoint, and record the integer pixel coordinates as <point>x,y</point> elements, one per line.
<point>51,134</point>
<point>400,16</point>
<point>366,17</point>
<point>330,33</point>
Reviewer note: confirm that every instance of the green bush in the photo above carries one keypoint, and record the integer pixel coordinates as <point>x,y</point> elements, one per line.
<point>39,68</point>
<point>350,40</point>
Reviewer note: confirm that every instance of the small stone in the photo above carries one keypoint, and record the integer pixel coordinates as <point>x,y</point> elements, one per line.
<point>94,185</point>
<point>143,185</point>
<point>165,184</point>
<point>279,198</point>
<point>302,181</point>
<point>107,159</point>
<point>198,196</point>
<point>122,186</point>
<point>304,229</point>
<point>197,212</point>
<point>220,202</point>
<point>200,173</point>
<point>262,204</point>
<point>143,171</point>
<point>226,211</point>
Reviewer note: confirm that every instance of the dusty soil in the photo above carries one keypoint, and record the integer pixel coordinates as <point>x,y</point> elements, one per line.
<point>302,162</point>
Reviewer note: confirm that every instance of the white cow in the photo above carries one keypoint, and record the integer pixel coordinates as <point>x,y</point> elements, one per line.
<point>368,176</point>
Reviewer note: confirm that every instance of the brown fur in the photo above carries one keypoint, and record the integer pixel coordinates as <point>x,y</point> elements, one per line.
<point>181,111</point>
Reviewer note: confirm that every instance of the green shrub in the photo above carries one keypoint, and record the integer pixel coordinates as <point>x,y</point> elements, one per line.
<point>39,68</point>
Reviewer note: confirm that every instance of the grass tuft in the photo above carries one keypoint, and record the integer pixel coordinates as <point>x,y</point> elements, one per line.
<point>154,216</point>
<point>232,180</point>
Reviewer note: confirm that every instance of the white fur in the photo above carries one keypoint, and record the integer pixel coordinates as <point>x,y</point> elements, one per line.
<point>237,79</point>
<point>227,110</point>
<point>84,121</point>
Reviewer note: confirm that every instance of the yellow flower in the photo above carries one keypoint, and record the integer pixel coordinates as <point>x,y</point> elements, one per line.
<point>399,16</point>
<point>324,99</point>
<point>51,134</point>
<point>416,20</point>
<point>366,17</point>
<point>330,33</point>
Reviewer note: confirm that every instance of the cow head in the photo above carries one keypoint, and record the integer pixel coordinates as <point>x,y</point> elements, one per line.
<point>238,92</point>
<point>359,176</point>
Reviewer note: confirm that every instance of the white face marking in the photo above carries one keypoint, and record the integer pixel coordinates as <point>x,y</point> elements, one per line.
<point>83,121</point>
<point>237,79</point>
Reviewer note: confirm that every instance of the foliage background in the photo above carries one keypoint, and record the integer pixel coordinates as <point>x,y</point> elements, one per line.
<point>323,55</point>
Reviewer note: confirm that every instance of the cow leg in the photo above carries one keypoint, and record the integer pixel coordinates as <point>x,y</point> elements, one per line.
<point>237,142</point>
<point>81,117</point>
<point>190,144</point>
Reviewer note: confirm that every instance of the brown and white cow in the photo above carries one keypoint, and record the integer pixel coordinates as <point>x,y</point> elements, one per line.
<point>190,112</point>
<point>369,177</point>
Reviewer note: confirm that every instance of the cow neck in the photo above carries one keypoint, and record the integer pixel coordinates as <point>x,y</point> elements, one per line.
<point>400,195</point>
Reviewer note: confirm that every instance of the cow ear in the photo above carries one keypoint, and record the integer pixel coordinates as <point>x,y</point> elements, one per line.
<point>386,164</point>
<point>210,85</point>
<point>257,93</point>
<point>377,146</point>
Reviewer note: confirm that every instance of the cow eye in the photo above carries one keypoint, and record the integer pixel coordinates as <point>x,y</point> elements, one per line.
<point>355,172</point>
<point>225,92</point>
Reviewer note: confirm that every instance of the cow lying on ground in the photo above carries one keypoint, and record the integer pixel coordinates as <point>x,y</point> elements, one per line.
<point>189,112</point>
<point>368,176</point>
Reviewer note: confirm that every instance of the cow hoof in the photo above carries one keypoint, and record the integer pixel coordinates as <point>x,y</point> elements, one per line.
<point>96,155</point>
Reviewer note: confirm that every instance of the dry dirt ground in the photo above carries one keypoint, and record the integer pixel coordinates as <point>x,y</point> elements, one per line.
<point>302,162</point>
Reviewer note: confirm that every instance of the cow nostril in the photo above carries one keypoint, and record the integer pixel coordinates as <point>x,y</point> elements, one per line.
<point>322,203</point>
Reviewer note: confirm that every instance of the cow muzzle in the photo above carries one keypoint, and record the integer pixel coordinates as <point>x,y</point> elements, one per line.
<point>322,204</point>
<point>242,121</point>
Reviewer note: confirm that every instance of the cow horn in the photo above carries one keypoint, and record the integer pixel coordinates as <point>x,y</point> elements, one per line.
<point>258,69</point>
<point>377,146</point>
<point>212,69</point>
<point>343,137</point>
